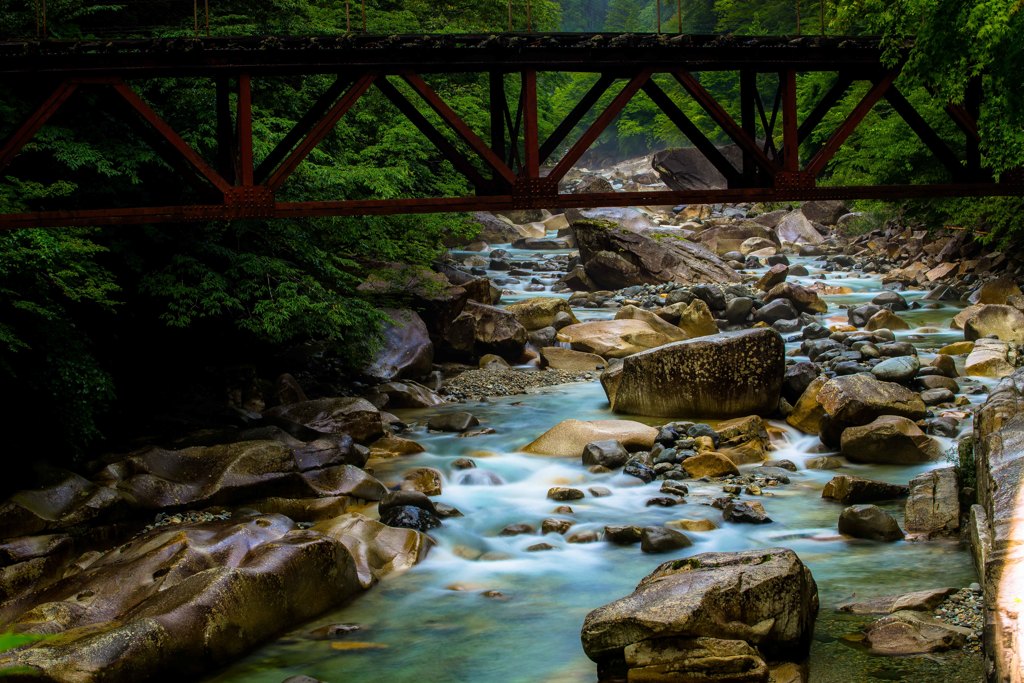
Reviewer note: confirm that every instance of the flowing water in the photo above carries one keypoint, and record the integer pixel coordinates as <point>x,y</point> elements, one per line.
<point>484,608</point>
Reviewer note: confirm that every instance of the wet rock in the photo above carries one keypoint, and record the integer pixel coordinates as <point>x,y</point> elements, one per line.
<point>909,633</point>
<point>406,349</point>
<point>378,550</point>
<point>745,512</point>
<point>724,237</point>
<point>919,601</point>
<point>623,535</point>
<point>890,440</point>
<point>599,491</point>
<point>787,465</point>
<point>641,469</point>
<point>458,421</point>
<point>934,503</point>
<point>859,399</point>
<point>898,369</point>
<point>408,394</point>
<point>555,526</point>
<point>356,417</point>
<point>609,453</point>
<point>567,359</point>
<point>612,338</point>
<point>518,529</point>
<point>410,517</point>
<point>894,301</point>
<point>719,376</point>
<point>870,522</point>
<point>394,446</point>
<point>493,330</point>
<point>540,312</point>
<point>765,597</point>
<point>692,524</point>
<point>695,659</point>
<point>804,299</point>
<point>775,275</point>
<point>796,229</point>
<point>989,358</point>
<point>569,438</point>
<point>848,489</point>
<point>796,380</point>
<point>859,315</point>
<point>656,539</point>
<point>808,411</point>
<point>709,464</point>
<point>886,319</point>
<point>774,311</point>
<point>823,462</point>
<point>426,480</point>
<point>998,291</point>
<point>738,310</point>
<point>564,493</point>
<point>1004,322</point>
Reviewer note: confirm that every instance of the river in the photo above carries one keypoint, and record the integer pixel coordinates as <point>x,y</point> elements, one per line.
<point>483,608</point>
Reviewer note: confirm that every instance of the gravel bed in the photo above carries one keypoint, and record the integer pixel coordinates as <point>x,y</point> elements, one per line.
<point>476,384</point>
<point>964,609</point>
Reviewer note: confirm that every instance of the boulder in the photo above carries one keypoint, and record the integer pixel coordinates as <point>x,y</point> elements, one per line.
<point>870,522</point>
<point>430,294</point>
<point>356,417</point>
<point>996,291</point>
<point>753,244</point>
<point>805,300</point>
<point>695,319</point>
<point>912,633</point>
<point>408,394</point>
<point>1005,322</point>
<point>612,338</point>
<point>886,319</point>
<point>725,237</point>
<point>922,601</point>
<point>889,440</point>
<point>658,324</point>
<point>808,411</point>
<point>658,539</point>
<point>824,211</point>
<point>606,453</point>
<point>796,229</point>
<point>849,490</point>
<point>179,601</point>
<point>569,438</point>
<point>859,399</point>
<point>378,549</point>
<point>539,312</point>
<point>775,275</point>
<point>558,358</point>
<point>63,500</point>
<point>989,358</point>
<point>458,421</point>
<point>495,330</point>
<point>933,506</point>
<point>496,229</point>
<point>615,258</point>
<point>719,376</point>
<point>745,512</point>
<point>898,369</point>
<point>695,659</point>
<point>765,597</point>
<point>709,464</point>
<point>406,349</point>
<point>686,168</point>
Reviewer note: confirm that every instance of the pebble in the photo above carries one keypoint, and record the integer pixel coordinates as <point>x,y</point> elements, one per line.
<point>474,385</point>
<point>965,609</point>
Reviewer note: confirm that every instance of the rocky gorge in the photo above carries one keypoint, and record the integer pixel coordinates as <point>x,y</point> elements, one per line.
<point>757,398</point>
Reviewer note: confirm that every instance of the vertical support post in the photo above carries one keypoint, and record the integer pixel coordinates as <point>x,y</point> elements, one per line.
<point>244,116</point>
<point>748,91</point>
<point>679,16</point>
<point>790,127</point>
<point>225,130</point>
<point>972,103</point>
<point>529,17</point>
<point>531,140</point>
<point>499,105</point>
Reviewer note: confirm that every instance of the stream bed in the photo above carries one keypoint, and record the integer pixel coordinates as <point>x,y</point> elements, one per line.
<point>483,608</point>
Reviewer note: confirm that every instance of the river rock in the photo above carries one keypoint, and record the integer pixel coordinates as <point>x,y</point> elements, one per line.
<point>63,500</point>
<point>723,375</point>
<point>996,291</point>
<point>614,258</point>
<point>493,330</point>
<point>989,358</point>
<point>607,453</point>
<point>158,606</point>
<point>912,633</point>
<point>540,312</point>
<point>659,324</point>
<point>1005,322</point>
<point>774,276</point>
<point>919,601</point>
<point>378,549</point>
<point>426,480</point>
<point>808,412</point>
<point>709,464</point>
<point>765,597</point>
<point>805,299</point>
<point>934,503</point>
<point>753,244</point>
<point>408,394</point>
<point>796,379</point>
<point>859,399</point>
<point>870,522</point>
<point>558,358</point>
<point>406,349</point>
<point>774,311</point>
<point>612,338</point>
<point>694,319</point>
<point>658,539</point>
<point>849,490</point>
<point>569,438</point>
<point>458,421</point>
<point>410,517</point>
<point>745,512</point>
<point>824,211</point>
<point>695,659</point>
<point>496,229</point>
<point>356,417</point>
<point>886,319</point>
<point>796,229</point>
<point>889,440</point>
<point>898,369</point>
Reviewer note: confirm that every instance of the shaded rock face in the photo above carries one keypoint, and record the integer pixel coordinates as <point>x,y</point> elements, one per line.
<point>685,168</point>
<point>890,440</point>
<point>540,312</point>
<point>797,229</point>
<point>765,598</point>
<point>356,417</point>
<point>156,478</point>
<point>723,375</point>
<point>614,258</point>
<point>870,522</point>
<point>180,600</point>
<point>731,236</point>
<point>859,399</point>
<point>482,329</point>
<point>406,350</point>
<point>848,489</point>
<point>1005,322</point>
<point>934,503</point>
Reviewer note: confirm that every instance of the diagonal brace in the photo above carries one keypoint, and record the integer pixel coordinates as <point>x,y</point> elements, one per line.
<point>27,130</point>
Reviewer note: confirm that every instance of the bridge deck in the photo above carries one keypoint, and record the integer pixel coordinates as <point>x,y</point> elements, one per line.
<point>596,52</point>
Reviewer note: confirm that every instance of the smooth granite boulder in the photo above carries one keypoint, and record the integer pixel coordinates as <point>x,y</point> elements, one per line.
<point>718,376</point>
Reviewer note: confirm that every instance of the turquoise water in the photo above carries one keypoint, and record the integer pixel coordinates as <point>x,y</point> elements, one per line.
<point>483,608</point>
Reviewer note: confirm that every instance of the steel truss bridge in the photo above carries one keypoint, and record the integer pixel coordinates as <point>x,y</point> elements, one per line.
<point>509,165</point>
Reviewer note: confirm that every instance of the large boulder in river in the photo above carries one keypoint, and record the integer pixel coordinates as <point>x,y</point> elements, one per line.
<point>766,598</point>
<point>1005,322</point>
<point>824,211</point>
<point>612,338</point>
<point>719,376</point>
<point>686,168</point>
<point>557,358</point>
<point>569,438</point>
<point>658,323</point>
<point>889,440</point>
<point>406,349</point>
<point>934,503</point>
<point>540,312</point>
<point>482,329</point>
<point>730,236</point>
<point>614,258</point>
<point>180,600</point>
<point>496,229</point>
<point>858,399</point>
<point>795,228</point>
<point>356,417</point>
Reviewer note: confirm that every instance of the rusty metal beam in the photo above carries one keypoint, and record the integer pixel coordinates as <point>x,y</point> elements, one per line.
<point>817,164</point>
<point>243,123</point>
<point>790,142</point>
<point>925,132</point>
<point>460,127</point>
<point>321,130</point>
<point>597,127</point>
<point>693,133</point>
<point>573,118</point>
<point>36,120</point>
<point>449,151</point>
<point>531,135</point>
<point>830,99</point>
